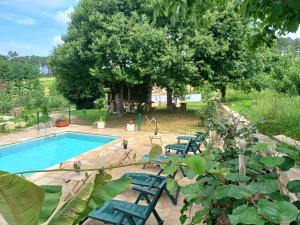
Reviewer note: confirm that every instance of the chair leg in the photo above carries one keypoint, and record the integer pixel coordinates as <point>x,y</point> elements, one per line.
<point>172,197</point>
<point>182,171</point>
<point>160,172</point>
<point>157,217</point>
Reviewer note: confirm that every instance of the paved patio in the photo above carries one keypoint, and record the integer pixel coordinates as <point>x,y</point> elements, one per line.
<point>105,156</point>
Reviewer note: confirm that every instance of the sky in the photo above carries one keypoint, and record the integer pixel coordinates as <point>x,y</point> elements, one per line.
<point>34,27</point>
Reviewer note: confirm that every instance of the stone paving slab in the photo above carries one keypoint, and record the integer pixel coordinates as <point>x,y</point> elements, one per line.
<point>105,156</point>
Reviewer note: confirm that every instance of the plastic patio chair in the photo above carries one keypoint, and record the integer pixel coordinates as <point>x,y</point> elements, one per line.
<point>198,140</point>
<point>126,213</point>
<point>168,156</point>
<point>151,180</point>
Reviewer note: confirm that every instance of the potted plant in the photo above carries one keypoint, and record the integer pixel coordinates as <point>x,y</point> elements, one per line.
<point>77,166</point>
<point>100,123</point>
<point>130,126</point>
<point>125,144</point>
<point>61,122</point>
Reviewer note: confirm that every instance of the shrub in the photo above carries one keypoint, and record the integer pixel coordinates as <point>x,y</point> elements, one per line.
<point>273,112</point>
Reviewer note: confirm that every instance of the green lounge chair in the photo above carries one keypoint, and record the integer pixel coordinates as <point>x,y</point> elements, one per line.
<point>151,180</point>
<point>198,140</point>
<point>199,135</point>
<point>168,155</point>
<point>126,213</point>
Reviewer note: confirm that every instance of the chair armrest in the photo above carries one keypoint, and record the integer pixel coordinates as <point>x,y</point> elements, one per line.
<point>143,190</point>
<point>129,212</point>
<point>156,176</point>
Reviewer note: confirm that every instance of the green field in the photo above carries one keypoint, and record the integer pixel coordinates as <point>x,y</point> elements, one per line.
<point>274,113</point>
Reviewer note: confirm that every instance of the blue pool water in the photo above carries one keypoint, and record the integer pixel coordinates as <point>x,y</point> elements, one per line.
<point>42,153</point>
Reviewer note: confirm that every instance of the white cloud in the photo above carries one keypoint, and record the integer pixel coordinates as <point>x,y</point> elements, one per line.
<point>22,20</point>
<point>294,35</point>
<point>63,17</point>
<point>57,40</point>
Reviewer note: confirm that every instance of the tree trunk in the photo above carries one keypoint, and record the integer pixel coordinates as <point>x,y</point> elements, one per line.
<point>129,99</point>
<point>169,99</point>
<point>148,105</point>
<point>222,89</point>
<point>119,102</point>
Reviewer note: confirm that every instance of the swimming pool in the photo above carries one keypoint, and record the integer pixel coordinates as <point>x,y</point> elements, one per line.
<point>42,153</point>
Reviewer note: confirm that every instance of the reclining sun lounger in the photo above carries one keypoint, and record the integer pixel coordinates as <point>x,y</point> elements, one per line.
<point>151,180</point>
<point>126,213</point>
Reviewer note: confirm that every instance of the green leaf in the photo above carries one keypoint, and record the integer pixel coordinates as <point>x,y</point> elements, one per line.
<point>171,185</point>
<point>259,147</point>
<point>198,217</point>
<point>287,164</point>
<point>277,212</point>
<point>196,164</point>
<point>73,208</point>
<point>155,152</point>
<point>263,187</point>
<point>170,169</point>
<point>20,200</point>
<point>52,197</point>
<point>92,195</point>
<point>245,215</point>
<point>277,196</point>
<point>233,191</point>
<point>237,177</point>
<point>271,161</point>
<point>267,177</point>
<point>293,186</point>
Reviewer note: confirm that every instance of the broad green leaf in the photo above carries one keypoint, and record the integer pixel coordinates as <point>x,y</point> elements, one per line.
<point>52,197</point>
<point>233,191</point>
<point>277,212</point>
<point>198,217</point>
<point>171,184</point>
<point>271,161</point>
<point>93,195</point>
<point>263,187</point>
<point>287,164</point>
<point>245,215</point>
<point>293,186</point>
<point>277,196</point>
<point>237,177</point>
<point>155,152</point>
<point>170,169</point>
<point>196,164</point>
<point>259,147</point>
<point>221,172</point>
<point>192,191</point>
<point>109,190</point>
<point>267,177</point>
<point>74,207</point>
<point>20,200</point>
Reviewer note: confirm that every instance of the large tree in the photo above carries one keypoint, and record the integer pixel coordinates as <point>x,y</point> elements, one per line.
<point>118,45</point>
<point>222,50</point>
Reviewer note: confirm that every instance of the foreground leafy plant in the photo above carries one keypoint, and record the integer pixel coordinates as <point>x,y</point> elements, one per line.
<point>21,201</point>
<point>248,191</point>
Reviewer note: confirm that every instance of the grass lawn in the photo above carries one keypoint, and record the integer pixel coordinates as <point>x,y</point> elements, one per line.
<point>274,113</point>
<point>169,122</point>
<point>47,81</point>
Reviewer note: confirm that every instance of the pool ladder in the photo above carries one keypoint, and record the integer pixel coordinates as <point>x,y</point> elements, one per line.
<point>48,126</point>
